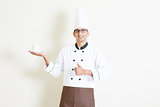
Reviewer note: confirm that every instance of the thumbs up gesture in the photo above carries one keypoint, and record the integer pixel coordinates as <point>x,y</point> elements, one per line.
<point>79,70</point>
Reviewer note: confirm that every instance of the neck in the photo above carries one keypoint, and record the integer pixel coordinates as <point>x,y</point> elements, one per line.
<point>80,44</point>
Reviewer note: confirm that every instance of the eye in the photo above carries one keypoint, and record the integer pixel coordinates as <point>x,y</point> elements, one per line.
<point>76,30</point>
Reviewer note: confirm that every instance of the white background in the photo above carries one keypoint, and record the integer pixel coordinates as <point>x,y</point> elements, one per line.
<point>127,32</point>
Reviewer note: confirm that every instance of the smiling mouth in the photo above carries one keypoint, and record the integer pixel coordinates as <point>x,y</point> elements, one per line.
<point>80,36</point>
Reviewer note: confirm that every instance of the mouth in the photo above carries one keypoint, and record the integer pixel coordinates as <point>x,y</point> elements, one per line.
<point>80,36</point>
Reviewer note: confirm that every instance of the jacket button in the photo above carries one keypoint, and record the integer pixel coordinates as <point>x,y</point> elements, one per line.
<point>75,51</point>
<point>79,78</point>
<point>82,51</point>
<point>73,59</point>
<point>71,78</point>
<point>72,69</point>
<point>81,59</point>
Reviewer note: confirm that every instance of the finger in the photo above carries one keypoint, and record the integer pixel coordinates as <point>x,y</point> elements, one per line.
<point>75,69</point>
<point>78,65</point>
<point>31,51</point>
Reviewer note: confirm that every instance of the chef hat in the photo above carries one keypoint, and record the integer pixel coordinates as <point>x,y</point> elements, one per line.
<point>81,18</point>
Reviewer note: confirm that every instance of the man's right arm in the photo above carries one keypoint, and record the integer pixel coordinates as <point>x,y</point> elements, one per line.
<point>47,61</point>
<point>49,66</point>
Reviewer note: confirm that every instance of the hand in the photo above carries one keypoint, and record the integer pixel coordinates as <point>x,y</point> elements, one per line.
<point>79,70</point>
<point>37,54</point>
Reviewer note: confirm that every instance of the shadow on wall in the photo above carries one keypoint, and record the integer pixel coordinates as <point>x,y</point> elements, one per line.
<point>52,86</point>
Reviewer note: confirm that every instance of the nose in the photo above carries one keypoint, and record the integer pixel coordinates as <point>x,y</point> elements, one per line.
<point>79,32</point>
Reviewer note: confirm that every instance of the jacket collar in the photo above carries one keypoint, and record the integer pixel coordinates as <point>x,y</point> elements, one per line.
<point>84,46</point>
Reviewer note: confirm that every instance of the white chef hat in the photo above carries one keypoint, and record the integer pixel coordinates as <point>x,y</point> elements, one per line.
<point>81,18</point>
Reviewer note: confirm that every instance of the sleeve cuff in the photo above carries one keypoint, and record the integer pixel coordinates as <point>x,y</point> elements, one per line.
<point>49,68</point>
<point>96,75</point>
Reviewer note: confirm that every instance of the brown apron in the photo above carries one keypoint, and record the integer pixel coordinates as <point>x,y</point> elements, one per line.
<point>77,97</point>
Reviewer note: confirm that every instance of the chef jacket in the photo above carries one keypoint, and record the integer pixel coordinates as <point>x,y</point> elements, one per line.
<point>88,57</point>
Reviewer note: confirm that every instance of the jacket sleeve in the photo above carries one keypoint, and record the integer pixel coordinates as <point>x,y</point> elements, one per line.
<point>102,70</point>
<point>58,67</point>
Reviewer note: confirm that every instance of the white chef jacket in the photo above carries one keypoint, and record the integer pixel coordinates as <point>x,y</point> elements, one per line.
<point>88,57</point>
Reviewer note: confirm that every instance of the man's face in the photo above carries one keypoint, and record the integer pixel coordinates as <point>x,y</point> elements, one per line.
<point>81,34</point>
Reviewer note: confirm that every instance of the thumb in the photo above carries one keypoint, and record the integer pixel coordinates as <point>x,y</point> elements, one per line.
<point>78,65</point>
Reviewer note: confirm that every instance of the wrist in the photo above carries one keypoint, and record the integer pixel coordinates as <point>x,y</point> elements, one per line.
<point>88,72</point>
<point>43,55</point>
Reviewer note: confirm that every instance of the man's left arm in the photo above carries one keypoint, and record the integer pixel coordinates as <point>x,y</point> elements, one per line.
<point>80,71</point>
<point>101,70</point>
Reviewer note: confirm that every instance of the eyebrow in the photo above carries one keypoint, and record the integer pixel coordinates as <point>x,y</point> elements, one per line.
<point>81,29</point>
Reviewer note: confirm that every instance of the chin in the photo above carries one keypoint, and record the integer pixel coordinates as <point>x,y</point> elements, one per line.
<point>80,41</point>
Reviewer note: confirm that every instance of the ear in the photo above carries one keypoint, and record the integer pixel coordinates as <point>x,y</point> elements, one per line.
<point>88,33</point>
<point>73,34</point>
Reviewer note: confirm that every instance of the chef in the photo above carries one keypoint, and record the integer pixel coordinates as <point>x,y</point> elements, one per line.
<point>82,65</point>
